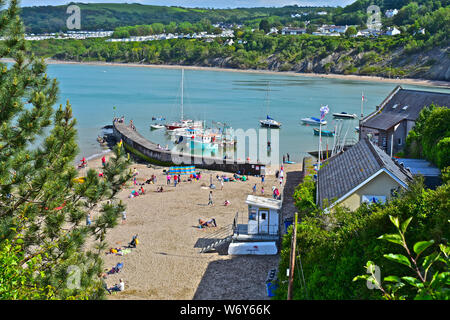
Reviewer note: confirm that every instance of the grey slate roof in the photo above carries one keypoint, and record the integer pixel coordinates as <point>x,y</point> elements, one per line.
<point>415,100</point>
<point>347,170</point>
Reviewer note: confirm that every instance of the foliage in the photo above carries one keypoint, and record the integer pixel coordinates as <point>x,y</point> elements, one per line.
<point>42,208</point>
<point>305,197</point>
<point>430,137</point>
<point>427,286</point>
<point>332,247</point>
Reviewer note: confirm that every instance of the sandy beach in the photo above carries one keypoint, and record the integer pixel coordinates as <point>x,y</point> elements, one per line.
<point>167,263</point>
<point>418,82</point>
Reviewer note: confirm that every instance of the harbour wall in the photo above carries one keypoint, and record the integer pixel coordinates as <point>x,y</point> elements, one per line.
<point>138,145</point>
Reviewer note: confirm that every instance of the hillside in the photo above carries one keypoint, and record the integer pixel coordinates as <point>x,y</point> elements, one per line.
<point>108,16</point>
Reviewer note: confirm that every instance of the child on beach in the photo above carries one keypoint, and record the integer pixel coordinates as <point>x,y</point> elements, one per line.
<point>262,190</point>
<point>254,189</point>
<point>168,179</point>
<point>210,202</point>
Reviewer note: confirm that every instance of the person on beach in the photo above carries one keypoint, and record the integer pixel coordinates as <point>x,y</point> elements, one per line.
<point>221,184</point>
<point>262,190</point>
<point>83,163</point>
<point>226,203</point>
<point>207,223</point>
<point>160,189</point>
<point>88,219</point>
<point>210,202</point>
<point>254,189</point>
<point>142,190</point>
<point>175,180</point>
<point>118,287</point>
<point>284,159</point>
<point>263,178</point>
<point>288,158</point>
<point>168,179</point>
<point>103,161</point>
<point>281,181</point>
<point>124,216</point>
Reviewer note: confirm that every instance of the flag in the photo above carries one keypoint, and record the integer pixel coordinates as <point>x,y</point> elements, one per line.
<point>323,111</point>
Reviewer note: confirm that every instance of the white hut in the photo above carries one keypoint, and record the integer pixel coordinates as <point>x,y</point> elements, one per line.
<point>261,230</point>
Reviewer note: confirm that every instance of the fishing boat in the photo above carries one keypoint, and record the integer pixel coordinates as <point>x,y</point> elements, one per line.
<point>325,133</point>
<point>156,126</point>
<point>344,115</point>
<point>313,121</point>
<point>269,122</point>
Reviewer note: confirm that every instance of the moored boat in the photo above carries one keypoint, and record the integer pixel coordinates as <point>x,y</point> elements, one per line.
<point>344,115</point>
<point>313,121</point>
<point>325,133</point>
<point>270,123</point>
<point>156,126</point>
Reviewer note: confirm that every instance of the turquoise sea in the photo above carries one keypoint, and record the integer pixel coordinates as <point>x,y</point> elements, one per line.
<point>239,99</point>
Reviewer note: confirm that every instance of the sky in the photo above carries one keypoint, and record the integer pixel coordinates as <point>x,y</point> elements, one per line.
<point>203,3</point>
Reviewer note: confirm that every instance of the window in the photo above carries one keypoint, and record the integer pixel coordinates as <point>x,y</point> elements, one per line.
<point>252,215</point>
<point>399,141</point>
<point>263,216</point>
<point>373,199</point>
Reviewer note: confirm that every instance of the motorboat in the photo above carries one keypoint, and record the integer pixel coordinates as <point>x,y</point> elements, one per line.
<point>325,133</point>
<point>313,121</point>
<point>344,115</point>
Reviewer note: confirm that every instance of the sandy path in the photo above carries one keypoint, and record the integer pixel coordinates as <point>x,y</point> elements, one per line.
<point>166,265</point>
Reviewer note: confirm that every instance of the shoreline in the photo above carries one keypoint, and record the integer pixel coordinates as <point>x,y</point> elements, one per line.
<point>411,81</point>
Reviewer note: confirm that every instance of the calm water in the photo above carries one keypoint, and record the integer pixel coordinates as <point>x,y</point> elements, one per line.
<point>238,99</point>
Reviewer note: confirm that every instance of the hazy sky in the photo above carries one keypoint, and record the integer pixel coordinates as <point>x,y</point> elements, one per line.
<point>203,3</point>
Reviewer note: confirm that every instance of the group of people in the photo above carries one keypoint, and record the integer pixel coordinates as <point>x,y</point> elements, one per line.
<point>120,120</point>
<point>286,157</point>
<point>119,266</point>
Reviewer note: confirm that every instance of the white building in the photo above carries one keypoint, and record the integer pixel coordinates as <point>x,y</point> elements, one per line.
<point>262,228</point>
<point>293,31</point>
<point>392,31</point>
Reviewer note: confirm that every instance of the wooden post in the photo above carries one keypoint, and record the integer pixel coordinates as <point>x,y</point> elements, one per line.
<point>292,260</point>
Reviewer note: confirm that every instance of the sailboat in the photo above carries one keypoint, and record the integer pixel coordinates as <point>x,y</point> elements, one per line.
<point>183,123</point>
<point>269,122</point>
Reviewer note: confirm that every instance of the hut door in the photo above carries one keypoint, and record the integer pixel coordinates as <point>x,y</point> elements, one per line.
<point>263,221</point>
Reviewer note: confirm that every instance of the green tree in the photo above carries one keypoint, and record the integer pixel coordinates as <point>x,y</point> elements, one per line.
<point>264,25</point>
<point>351,31</point>
<point>42,207</point>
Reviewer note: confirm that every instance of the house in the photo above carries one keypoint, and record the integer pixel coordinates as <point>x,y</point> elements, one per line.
<point>392,31</point>
<point>389,125</point>
<point>363,173</point>
<point>259,230</point>
<point>293,31</point>
<point>421,167</point>
<point>390,13</point>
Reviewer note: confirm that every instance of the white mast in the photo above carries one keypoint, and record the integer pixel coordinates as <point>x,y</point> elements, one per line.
<point>182,76</point>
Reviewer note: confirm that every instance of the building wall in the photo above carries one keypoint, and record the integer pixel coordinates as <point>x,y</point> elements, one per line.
<point>379,186</point>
